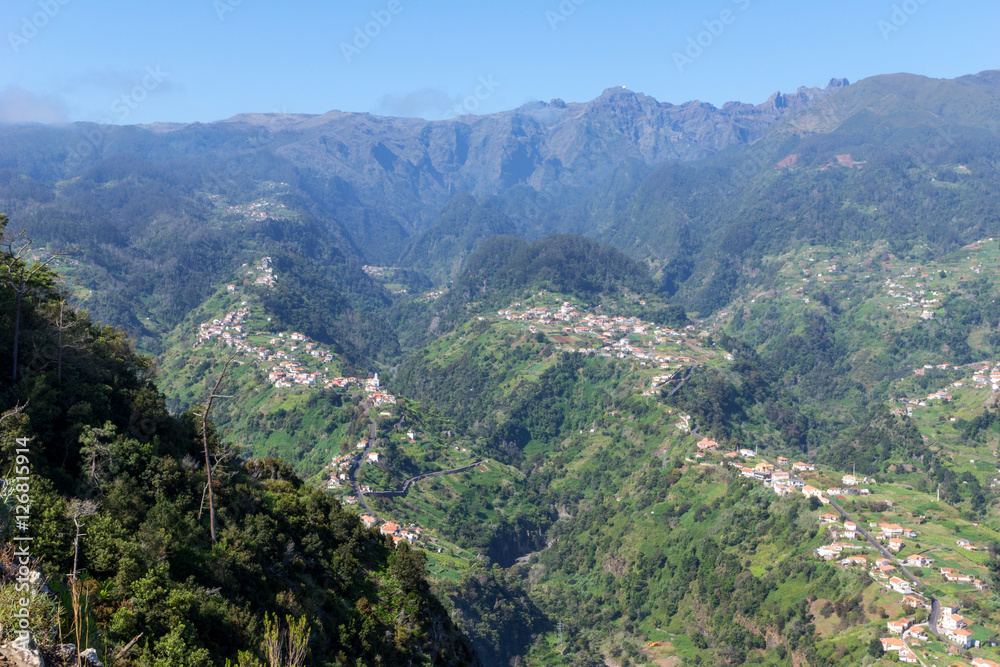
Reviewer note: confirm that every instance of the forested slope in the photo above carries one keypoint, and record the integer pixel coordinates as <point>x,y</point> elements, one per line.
<point>105,452</point>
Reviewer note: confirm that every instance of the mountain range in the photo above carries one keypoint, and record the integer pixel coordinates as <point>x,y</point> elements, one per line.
<point>588,322</point>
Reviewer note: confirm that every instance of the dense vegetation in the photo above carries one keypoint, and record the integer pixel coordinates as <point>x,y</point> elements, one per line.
<point>105,452</point>
<point>590,529</point>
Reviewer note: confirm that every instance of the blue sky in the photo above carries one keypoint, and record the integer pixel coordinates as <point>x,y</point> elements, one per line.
<point>201,60</point>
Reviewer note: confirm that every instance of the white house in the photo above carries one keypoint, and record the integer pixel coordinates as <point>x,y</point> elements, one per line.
<point>960,637</point>
<point>900,585</point>
<point>953,621</point>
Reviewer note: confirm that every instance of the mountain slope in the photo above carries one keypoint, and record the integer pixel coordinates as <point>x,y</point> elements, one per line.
<point>441,250</point>
<point>92,440</point>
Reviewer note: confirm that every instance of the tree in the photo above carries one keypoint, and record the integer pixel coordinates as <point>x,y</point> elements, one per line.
<point>18,275</point>
<point>208,458</point>
<point>875,649</point>
<point>79,589</point>
<point>64,324</point>
<point>94,452</point>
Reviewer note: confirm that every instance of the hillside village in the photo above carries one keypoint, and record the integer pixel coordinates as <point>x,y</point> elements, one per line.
<point>615,336</point>
<point>900,549</point>
<point>984,376</point>
<point>903,546</point>
<point>262,208</point>
<point>287,359</point>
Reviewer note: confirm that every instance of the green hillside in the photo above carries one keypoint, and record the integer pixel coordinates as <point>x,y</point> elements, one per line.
<point>111,488</point>
<point>619,416</point>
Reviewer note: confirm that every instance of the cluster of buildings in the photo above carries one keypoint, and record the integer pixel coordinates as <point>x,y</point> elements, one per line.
<point>285,370</point>
<point>782,478</point>
<point>898,646</point>
<point>960,578</point>
<point>391,528</point>
<point>613,332</point>
<point>282,355</point>
<point>955,627</point>
<point>229,328</point>
<point>376,271</point>
<point>263,273</point>
<point>341,471</point>
<point>848,546</point>
<point>951,625</point>
<point>913,299</point>
<point>984,375</point>
<point>374,393</point>
<point>260,210</point>
<point>342,465</point>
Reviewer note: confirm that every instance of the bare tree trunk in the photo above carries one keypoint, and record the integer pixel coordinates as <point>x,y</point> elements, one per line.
<point>208,465</point>
<point>19,407</point>
<point>17,329</point>
<point>208,458</point>
<point>62,304</point>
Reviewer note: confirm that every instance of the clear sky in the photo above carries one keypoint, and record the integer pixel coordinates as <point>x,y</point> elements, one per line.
<point>139,61</point>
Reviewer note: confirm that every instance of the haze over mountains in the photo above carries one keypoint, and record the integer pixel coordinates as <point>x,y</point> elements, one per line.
<point>402,171</point>
<point>586,318</point>
<point>670,184</point>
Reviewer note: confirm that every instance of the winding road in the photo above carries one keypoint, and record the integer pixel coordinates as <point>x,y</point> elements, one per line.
<point>354,469</point>
<point>935,604</point>
<point>683,380</point>
<point>436,473</point>
<point>406,485</point>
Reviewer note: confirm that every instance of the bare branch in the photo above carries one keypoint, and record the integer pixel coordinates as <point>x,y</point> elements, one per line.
<point>13,411</point>
<point>19,275</point>
<point>208,461</point>
<point>121,653</point>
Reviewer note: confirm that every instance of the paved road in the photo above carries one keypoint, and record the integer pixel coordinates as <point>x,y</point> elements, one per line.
<point>437,473</point>
<point>935,604</point>
<point>683,380</point>
<point>406,485</point>
<point>354,469</point>
<point>935,614</point>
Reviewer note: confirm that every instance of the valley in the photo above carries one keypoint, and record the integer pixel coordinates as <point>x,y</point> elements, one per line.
<point>566,385</point>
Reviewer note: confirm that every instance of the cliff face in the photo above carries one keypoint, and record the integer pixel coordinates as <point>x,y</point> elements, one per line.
<point>536,144</point>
